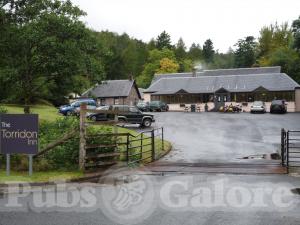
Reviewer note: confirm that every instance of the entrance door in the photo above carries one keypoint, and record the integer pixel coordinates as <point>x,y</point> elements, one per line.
<point>221,96</point>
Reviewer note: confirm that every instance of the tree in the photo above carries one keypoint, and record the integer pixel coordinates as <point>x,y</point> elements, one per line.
<point>167,66</point>
<point>46,49</point>
<point>244,55</point>
<point>195,52</point>
<point>180,50</point>
<point>163,41</point>
<point>296,32</point>
<point>273,37</point>
<point>208,51</point>
<point>153,65</point>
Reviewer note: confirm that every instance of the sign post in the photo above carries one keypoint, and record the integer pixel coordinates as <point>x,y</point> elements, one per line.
<point>7,164</point>
<point>19,135</point>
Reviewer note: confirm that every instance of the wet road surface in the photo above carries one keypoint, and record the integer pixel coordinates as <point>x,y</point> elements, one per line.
<point>219,137</point>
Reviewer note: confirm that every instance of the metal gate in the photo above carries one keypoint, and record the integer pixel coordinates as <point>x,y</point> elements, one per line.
<point>290,148</point>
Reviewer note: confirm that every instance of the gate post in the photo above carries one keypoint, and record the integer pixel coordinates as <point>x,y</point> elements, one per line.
<point>82,141</point>
<point>282,146</point>
<point>152,146</point>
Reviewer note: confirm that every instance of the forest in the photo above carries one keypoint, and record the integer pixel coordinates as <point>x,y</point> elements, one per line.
<point>47,52</point>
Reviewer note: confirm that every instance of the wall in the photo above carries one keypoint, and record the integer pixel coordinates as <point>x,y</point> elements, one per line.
<point>147,97</point>
<point>297,99</point>
<point>133,97</point>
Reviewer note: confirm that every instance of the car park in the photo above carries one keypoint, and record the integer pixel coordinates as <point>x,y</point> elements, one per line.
<point>278,106</point>
<point>258,107</point>
<point>128,114</point>
<point>74,107</point>
<point>158,106</point>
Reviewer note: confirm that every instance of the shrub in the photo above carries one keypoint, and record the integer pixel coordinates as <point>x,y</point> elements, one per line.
<point>66,155</point>
<point>3,110</point>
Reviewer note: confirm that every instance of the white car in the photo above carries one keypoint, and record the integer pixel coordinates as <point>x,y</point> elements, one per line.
<point>258,107</point>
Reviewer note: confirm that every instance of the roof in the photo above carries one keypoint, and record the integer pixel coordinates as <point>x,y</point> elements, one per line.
<point>221,72</point>
<point>111,88</point>
<point>236,82</point>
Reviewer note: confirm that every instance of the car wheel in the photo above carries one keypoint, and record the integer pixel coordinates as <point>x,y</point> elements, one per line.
<point>121,120</point>
<point>94,118</point>
<point>69,113</point>
<point>147,122</point>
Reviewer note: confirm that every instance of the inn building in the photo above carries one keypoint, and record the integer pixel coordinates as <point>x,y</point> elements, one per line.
<point>224,86</point>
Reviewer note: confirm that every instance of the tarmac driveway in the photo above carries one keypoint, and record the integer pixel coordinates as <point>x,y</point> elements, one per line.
<point>219,137</point>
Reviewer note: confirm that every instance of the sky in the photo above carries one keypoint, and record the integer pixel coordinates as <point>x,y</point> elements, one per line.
<point>223,21</point>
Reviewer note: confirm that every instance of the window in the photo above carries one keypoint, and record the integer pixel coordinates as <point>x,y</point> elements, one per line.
<point>116,101</point>
<point>133,110</point>
<point>102,101</point>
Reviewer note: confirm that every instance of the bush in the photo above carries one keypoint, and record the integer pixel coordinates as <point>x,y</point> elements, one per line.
<point>3,110</point>
<point>66,155</point>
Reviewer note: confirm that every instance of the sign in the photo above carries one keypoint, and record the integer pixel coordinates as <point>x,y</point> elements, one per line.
<point>19,133</point>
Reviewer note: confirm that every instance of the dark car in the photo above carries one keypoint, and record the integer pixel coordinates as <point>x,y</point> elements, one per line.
<point>143,106</point>
<point>74,107</point>
<point>158,106</point>
<point>128,114</point>
<point>278,106</point>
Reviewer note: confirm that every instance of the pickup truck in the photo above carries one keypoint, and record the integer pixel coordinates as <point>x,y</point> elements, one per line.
<point>128,114</point>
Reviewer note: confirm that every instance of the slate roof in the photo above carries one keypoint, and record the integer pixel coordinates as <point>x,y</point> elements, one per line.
<point>111,88</point>
<point>219,72</point>
<point>243,80</point>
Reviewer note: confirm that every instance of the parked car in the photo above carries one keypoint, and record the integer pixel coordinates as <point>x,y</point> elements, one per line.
<point>258,107</point>
<point>128,114</point>
<point>158,106</point>
<point>278,106</point>
<point>143,106</point>
<point>74,107</point>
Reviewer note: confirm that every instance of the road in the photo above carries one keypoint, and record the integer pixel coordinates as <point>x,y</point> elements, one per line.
<point>178,199</point>
<point>219,137</point>
<point>179,206</point>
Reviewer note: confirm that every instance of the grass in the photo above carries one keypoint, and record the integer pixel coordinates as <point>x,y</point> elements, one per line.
<point>146,143</point>
<point>38,176</point>
<point>50,113</point>
<point>46,112</point>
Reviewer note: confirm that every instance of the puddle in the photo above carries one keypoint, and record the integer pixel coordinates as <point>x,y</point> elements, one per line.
<point>272,156</point>
<point>296,191</point>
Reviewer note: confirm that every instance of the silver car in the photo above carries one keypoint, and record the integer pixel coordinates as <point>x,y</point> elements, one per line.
<point>258,107</point>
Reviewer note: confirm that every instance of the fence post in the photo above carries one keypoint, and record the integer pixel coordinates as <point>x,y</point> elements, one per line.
<point>287,150</point>
<point>282,147</point>
<point>152,145</point>
<point>162,139</point>
<point>82,142</point>
<point>127,148</point>
<point>142,136</point>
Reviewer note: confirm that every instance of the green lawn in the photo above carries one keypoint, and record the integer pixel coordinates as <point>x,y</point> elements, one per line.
<point>45,112</point>
<point>38,176</point>
<point>50,113</point>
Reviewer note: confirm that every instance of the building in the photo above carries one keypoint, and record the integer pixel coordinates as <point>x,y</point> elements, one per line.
<point>115,92</point>
<point>225,86</point>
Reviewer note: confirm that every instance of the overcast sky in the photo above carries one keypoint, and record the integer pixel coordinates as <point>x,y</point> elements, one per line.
<point>224,21</point>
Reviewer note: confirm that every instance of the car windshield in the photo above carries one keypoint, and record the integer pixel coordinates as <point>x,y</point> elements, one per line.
<point>154,103</point>
<point>258,103</point>
<point>278,102</point>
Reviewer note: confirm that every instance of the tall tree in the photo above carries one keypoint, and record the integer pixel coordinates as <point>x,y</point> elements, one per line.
<point>163,41</point>
<point>244,55</point>
<point>154,64</point>
<point>208,51</point>
<point>296,32</point>
<point>46,48</point>
<point>195,52</point>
